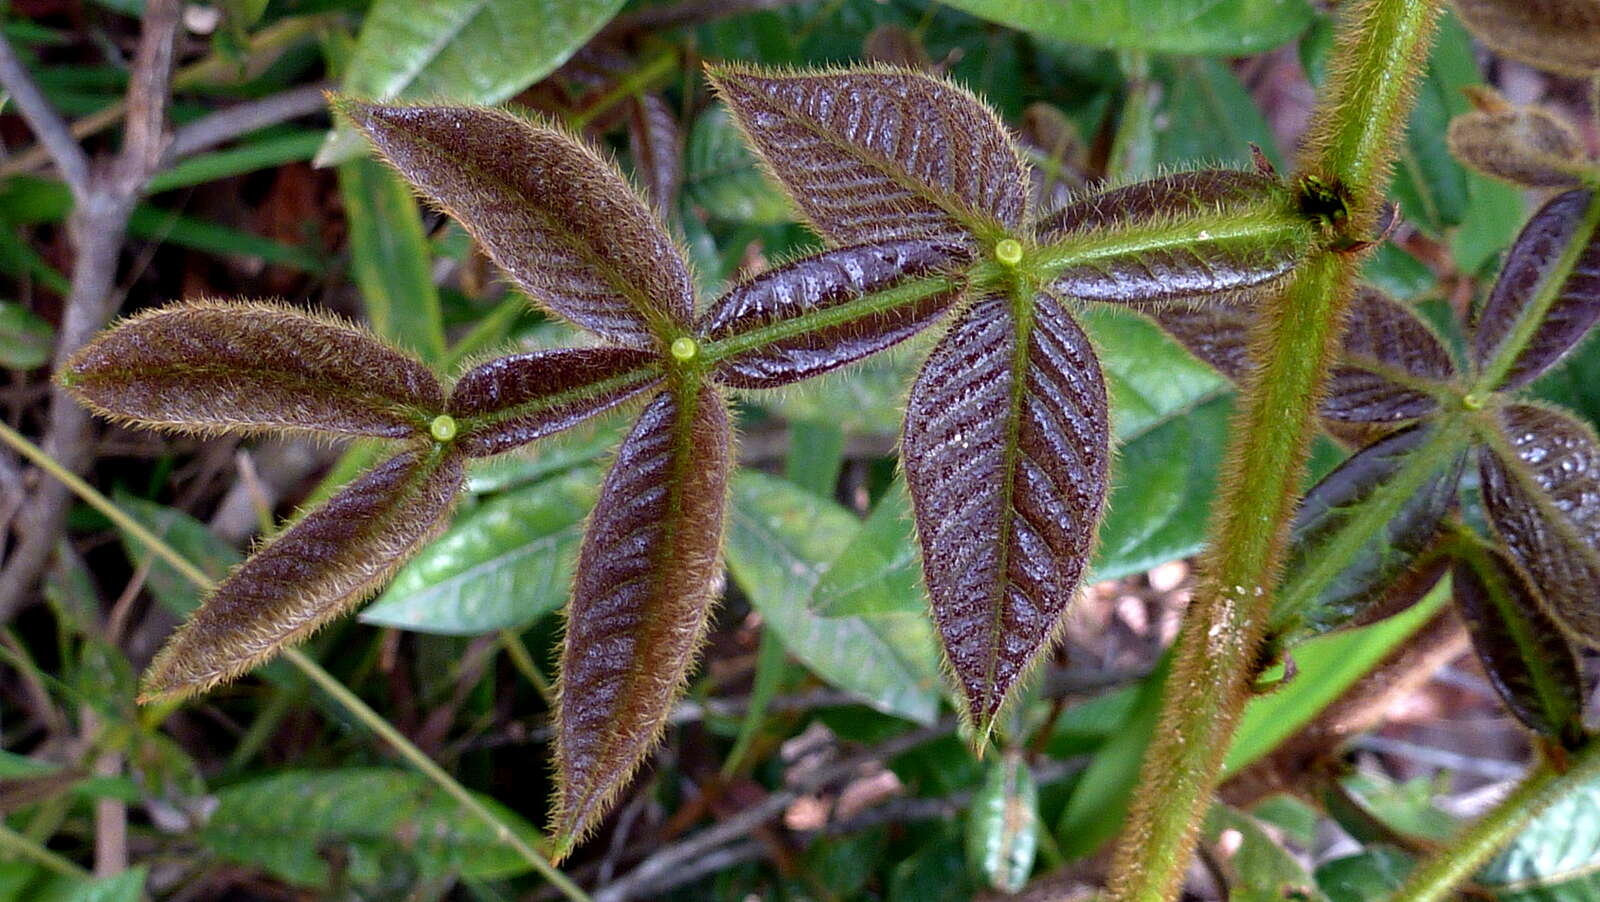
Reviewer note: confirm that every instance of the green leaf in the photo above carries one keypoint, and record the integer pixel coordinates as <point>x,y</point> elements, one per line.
<point>1099,802</point>
<point>1221,28</point>
<point>1002,824</point>
<point>391,260</point>
<point>467,51</point>
<point>1371,876</point>
<point>503,565</point>
<point>780,540</point>
<point>386,824</point>
<point>189,537</point>
<point>1326,667</point>
<point>127,886</point>
<point>266,153</point>
<point>1206,114</point>
<point>25,339</point>
<point>877,572</point>
<point>1151,379</point>
<point>1555,858</point>
<point>1256,867</point>
<point>723,177</point>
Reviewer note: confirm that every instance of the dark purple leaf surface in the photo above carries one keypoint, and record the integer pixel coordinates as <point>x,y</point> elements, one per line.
<point>514,400</point>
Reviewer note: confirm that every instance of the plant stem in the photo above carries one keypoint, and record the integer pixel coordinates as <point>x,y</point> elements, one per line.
<point>1436,878</point>
<point>1219,646</point>
<point>523,660</point>
<point>14,843</point>
<point>313,671</point>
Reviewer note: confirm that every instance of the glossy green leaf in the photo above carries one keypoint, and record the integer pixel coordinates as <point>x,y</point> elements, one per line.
<point>1224,28</point>
<point>723,177</point>
<point>189,537</point>
<point>502,565</point>
<point>25,340</point>
<point>780,540</point>
<point>648,572</point>
<point>877,572</point>
<point>1555,857</point>
<point>1205,113</point>
<point>214,368</point>
<point>1370,876</point>
<point>1555,35</point>
<point>1541,487</point>
<point>390,826</point>
<point>858,154</point>
<point>1524,653</point>
<point>1255,866</point>
<point>1006,456</point>
<point>1002,825</point>
<point>548,209</point>
<point>1554,263</point>
<point>826,311</point>
<point>1099,801</point>
<point>310,573</point>
<point>1148,376</point>
<point>467,51</point>
<point>390,259</point>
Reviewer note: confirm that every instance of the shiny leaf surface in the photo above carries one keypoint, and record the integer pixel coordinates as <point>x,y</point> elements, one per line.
<point>552,212</point>
<point>1546,258</point>
<point>214,368</point>
<point>311,573</point>
<point>1526,146</point>
<point>833,305</point>
<point>648,571</point>
<point>1005,453</point>
<point>514,400</point>
<point>1226,28</point>
<point>1555,35</point>
<point>1388,361</point>
<point>1362,501</point>
<point>1541,487</point>
<point>1192,256</point>
<point>501,565</point>
<point>859,154</point>
<point>1524,653</point>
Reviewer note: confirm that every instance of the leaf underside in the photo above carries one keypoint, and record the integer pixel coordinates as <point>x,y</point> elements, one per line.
<point>1524,653</point>
<point>1350,598</point>
<point>212,368</point>
<point>511,401</point>
<point>1382,339</point>
<point>647,575</point>
<point>1554,35</point>
<point>313,572</point>
<point>1217,331</point>
<point>1541,487</point>
<point>881,154</point>
<point>1204,265</point>
<point>1529,264</point>
<point>1005,454</point>
<point>1525,146</point>
<point>550,211</point>
<point>656,143</point>
<point>829,280</point>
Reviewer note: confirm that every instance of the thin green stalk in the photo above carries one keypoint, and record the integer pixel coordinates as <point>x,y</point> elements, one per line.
<point>523,661</point>
<point>1437,878</point>
<point>16,844</point>
<point>1218,651</point>
<point>313,671</point>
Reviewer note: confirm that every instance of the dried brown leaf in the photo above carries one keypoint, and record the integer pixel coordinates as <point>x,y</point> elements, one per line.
<point>1526,146</point>
<point>1555,35</point>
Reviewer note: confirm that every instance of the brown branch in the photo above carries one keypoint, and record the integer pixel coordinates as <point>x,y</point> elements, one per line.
<point>46,123</point>
<point>225,125</point>
<point>96,229</point>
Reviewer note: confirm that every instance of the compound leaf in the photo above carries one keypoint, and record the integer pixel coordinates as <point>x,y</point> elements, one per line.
<point>881,154</point>
<point>1541,488</point>
<point>1555,35</point>
<point>213,368</point>
<point>1389,359</point>
<point>514,400</point>
<point>648,571</point>
<point>553,213</point>
<point>1006,457</point>
<point>1526,146</point>
<point>1556,254</point>
<point>1190,253</point>
<point>311,573</point>
<point>1525,654</point>
<point>1361,501</point>
<point>823,312</point>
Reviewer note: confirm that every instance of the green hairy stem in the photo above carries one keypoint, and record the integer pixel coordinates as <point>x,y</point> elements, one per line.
<point>1218,650</point>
